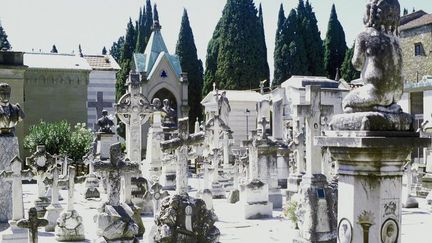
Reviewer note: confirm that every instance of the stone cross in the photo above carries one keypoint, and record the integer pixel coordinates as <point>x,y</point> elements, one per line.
<point>40,161</point>
<point>32,223</point>
<point>155,191</point>
<point>115,169</point>
<point>312,112</point>
<point>71,183</point>
<point>133,109</point>
<point>99,104</point>
<point>180,145</point>
<point>16,175</point>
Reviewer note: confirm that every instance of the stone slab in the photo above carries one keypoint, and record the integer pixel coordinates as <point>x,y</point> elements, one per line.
<point>372,121</point>
<point>9,149</point>
<point>258,210</point>
<point>15,235</point>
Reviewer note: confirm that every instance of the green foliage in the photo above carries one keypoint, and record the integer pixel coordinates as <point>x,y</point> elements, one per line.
<point>348,72</point>
<point>298,47</point>
<point>155,13</point>
<point>334,45</point>
<point>148,20</point>
<point>187,53</point>
<point>4,43</point>
<point>290,211</point>
<point>55,137</point>
<point>234,54</point>
<point>60,138</point>
<point>405,11</point>
<point>141,41</point>
<point>116,47</point>
<point>80,142</point>
<point>104,51</point>
<point>125,60</point>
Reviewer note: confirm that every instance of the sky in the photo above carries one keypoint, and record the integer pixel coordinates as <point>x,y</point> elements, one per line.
<point>38,24</point>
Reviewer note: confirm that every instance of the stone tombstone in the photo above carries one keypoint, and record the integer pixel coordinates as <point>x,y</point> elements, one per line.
<point>54,209</point>
<point>40,162</point>
<point>16,175</point>
<point>115,219</point>
<point>180,145</point>
<point>32,224</point>
<point>374,136</point>
<point>133,109</point>
<point>256,202</point>
<point>10,115</point>
<point>69,225</point>
<point>91,181</point>
<point>183,219</point>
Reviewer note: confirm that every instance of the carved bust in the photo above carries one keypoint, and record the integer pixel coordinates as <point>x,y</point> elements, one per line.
<point>105,123</point>
<point>170,117</point>
<point>10,114</point>
<point>378,56</point>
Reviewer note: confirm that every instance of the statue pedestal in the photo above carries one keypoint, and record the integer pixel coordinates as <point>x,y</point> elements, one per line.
<point>52,214</point>
<point>104,142</point>
<point>370,180</point>
<point>293,185</point>
<point>9,149</point>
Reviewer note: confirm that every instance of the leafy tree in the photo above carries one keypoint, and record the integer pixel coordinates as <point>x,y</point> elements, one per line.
<point>104,51</point>
<point>54,49</point>
<point>348,72</point>
<point>116,48</point>
<point>187,53</point>
<point>278,55</point>
<point>334,45</point>
<point>60,139</point>
<point>234,54</point>
<point>4,43</point>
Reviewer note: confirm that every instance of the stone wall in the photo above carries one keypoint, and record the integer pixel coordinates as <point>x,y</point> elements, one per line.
<point>415,67</point>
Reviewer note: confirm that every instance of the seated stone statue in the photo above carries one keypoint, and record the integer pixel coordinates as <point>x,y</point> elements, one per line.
<point>378,56</point>
<point>105,123</point>
<point>10,114</point>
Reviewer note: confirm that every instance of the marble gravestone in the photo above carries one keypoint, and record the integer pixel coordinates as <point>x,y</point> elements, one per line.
<point>133,109</point>
<point>10,115</point>
<point>14,234</point>
<point>373,136</point>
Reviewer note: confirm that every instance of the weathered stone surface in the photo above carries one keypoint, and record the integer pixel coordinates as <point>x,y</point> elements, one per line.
<point>9,149</point>
<point>255,199</point>
<point>429,198</point>
<point>183,219</point>
<point>373,121</point>
<point>69,227</point>
<point>32,224</point>
<point>234,196</point>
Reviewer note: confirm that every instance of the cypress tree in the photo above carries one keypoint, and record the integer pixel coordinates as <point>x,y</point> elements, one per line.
<point>116,47</point>
<point>4,43</point>
<point>348,72</point>
<point>312,40</point>
<point>233,54</point>
<point>263,48</point>
<point>148,20</point>
<point>334,45</point>
<point>141,32</point>
<point>54,49</point>
<point>405,11</point>
<point>297,60</point>
<point>125,60</point>
<point>104,51</point>
<point>278,55</point>
<point>155,13</point>
<point>187,53</point>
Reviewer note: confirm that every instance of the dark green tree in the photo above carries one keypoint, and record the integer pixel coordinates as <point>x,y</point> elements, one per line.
<point>233,54</point>
<point>4,43</point>
<point>148,20</point>
<point>279,62</point>
<point>104,51</point>
<point>265,70</point>
<point>125,60</point>
<point>155,13</point>
<point>311,37</point>
<point>334,45</point>
<point>348,72</point>
<point>141,41</point>
<point>116,48</point>
<point>187,53</point>
<point>405,11</point>
<point>54,49</point>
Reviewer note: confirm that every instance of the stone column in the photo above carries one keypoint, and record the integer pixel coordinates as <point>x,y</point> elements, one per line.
<point>370,178</point>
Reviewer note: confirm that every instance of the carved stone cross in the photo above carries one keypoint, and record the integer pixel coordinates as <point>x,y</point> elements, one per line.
<point>117,168</point>
<point>133,109</point>
<point>16,175</point>
<point>180,145</point>
<point>99,104</point>
<point>312,113</point>
<point>155,191</point>
<point>32,223</point>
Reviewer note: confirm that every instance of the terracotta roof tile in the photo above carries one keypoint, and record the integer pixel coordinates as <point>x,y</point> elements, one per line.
<point>423,20</point>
